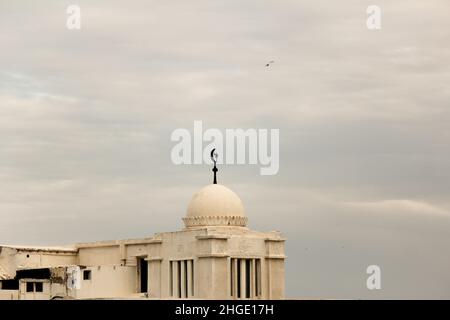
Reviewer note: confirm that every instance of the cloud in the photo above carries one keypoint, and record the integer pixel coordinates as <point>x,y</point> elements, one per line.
<point>86,118</point>
<point>398,206</point>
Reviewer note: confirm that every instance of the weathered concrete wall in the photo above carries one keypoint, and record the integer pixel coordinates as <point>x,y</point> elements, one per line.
<point>219,278</point>
<point>276,279</point>
<point>96,256</point>
<point>154,278</point>
<point>12,259</point>
<point>108,282</point>
<point>9,294</point>
<point>60,290</point>
<point>204,280</point>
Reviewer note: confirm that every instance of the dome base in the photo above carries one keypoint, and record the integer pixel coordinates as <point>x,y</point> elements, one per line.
<point>200,221</point>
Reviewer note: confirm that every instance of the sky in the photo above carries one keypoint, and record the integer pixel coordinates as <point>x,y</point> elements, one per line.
<point>86,118</point>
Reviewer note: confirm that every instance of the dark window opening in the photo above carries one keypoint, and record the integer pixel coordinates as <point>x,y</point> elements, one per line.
<point>232,276</point>
<point>33,274</point>
<point>10,284</point>
<point>247,277</point>
<point>39,287</point>
<point>186,293</point>
<point>192,277</point>
<point>143,271</point>
<point>179,278</point>
<point>238,274</point>
<point>30,286</point>
<point>258,277</point>
<point>171,278</point>
<point>87,274</point>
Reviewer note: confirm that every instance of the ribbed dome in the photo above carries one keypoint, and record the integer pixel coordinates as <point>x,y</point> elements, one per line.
<point>215,205</point>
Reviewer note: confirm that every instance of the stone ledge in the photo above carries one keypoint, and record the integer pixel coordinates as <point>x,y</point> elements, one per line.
<point>275,239</point>
<point>276,256</point>
<point>153,259</point>
<point>212,237</point>
<point>213,255</point>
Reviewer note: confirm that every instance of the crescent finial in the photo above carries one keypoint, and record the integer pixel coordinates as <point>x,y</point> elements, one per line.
<point>214,159</point>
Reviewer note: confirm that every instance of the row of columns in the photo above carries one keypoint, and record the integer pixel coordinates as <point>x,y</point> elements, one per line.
<point>182,278</point>
<point>239,288</point>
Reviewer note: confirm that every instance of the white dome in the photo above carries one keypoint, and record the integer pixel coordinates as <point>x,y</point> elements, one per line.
<point>215,205</point>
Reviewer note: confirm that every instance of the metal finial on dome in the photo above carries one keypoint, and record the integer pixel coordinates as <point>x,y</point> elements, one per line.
<point>214,156</point>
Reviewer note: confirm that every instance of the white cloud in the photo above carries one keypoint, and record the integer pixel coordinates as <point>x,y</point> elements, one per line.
<point>86,117</point>
<point>398,206</point>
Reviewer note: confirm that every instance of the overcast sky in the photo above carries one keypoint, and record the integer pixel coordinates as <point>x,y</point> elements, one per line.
<point>364,119</point>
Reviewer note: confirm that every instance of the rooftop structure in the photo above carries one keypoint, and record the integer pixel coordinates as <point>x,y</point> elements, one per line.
<point>216,256</point>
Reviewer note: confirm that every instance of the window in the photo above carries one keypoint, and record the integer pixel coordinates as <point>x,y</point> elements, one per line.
<point>171,278</point>
<point>87,274</point>
<point>34,287</point>
<point>258,278</point>
<point>245,278</point>
<point>12,284</point>
<point>30,286</point>
<point>181,278</point>
<point>39,287</point>
<point>143,275</point>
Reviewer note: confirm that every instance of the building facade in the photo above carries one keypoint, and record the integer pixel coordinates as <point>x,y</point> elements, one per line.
<point>215,256</point>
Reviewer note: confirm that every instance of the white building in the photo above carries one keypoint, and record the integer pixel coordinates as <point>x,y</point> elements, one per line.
<point>214,257</point>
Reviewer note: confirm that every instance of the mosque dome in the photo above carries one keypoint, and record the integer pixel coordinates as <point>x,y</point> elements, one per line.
<point>215,205</point>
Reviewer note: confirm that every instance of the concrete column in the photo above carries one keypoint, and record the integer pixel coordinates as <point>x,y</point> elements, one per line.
<point>190,284</point>
<point>175,279</point>
<point>243,278</point>
<point>154,278</point>
<point>276,278</point>
<point>253,278</point>
<point>269,278</point>
<point>220,281</point>
<point>258,273</point>
<point>183,279</point>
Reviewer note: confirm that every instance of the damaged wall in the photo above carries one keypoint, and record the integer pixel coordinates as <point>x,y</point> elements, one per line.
<point>13,258</point>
